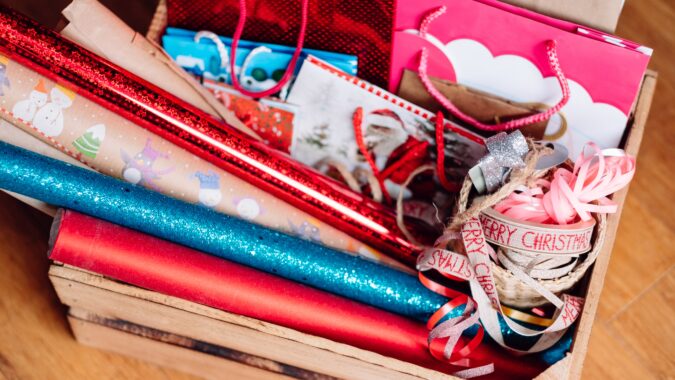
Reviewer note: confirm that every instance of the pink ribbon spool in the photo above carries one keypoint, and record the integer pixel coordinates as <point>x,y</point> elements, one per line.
<point>573,195</point>
<point>525,236</point>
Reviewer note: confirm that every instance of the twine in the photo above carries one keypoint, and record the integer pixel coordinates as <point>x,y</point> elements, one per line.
<point>519,177</point>
<point>399,203</point>
<point>512,289</point>
<point>350,178</point>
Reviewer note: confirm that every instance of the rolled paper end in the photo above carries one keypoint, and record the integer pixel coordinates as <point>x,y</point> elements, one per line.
<point>54,231</point>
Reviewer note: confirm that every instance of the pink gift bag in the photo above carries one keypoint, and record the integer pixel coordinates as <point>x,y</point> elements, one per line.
<point>588,78</point>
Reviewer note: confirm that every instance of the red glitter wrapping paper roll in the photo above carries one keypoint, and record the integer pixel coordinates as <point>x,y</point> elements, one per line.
<point>174,270</point>
<point>359,27</point>
<point>144,104</point>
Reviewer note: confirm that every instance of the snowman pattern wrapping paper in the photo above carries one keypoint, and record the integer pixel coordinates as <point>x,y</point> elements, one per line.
<point>112,145</point>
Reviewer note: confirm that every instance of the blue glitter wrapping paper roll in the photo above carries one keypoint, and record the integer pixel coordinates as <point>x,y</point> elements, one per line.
<point>107,198</point>
<point>67,186</point>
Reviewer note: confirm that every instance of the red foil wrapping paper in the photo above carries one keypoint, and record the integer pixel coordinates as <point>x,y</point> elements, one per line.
<point>174,270</point>
<point>359,27</point>
<point>144,104</point>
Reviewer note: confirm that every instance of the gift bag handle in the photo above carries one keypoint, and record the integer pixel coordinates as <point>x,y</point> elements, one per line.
<point>291,66</point>
<point>220,46</point>
<point>511,124</point>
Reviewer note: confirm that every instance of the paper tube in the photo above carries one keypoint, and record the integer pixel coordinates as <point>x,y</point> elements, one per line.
<point>98,29</point>
<point>17,137</point>
<point>84,74</point>
<point>226,237</point>
<point>132,257</point>
<point>113,145</point>
<point>14,135</point>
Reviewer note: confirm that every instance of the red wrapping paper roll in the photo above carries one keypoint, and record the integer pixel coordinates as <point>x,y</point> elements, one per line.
<point>164,114</point>
<point>174,270</point>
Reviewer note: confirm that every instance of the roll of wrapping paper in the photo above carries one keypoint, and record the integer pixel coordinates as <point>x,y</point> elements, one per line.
<point>95,27</point>
<point>50,55</point>
<point>203,229</point>
<point>17,137</point>
<point>151,263</point>
<point>112,145</point>
<point>105,141</point>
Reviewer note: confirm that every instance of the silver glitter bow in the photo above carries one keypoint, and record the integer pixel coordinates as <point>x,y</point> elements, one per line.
<point>506,152</point>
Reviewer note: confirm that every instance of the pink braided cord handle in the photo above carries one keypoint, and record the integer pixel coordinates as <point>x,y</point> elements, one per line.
<point>291,66</point>
<point>551,52</point>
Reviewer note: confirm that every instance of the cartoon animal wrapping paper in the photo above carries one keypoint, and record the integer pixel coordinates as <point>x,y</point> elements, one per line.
<point>140,168</point>
<point>114,146</point>
<point>209,188</point>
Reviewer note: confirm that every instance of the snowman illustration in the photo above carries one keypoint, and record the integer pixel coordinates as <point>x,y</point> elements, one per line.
<point>209,188</point>
<point>49,118</point>
<point>139,168</point>
<point>247,208</point>
<point>305,231</point>
<point>4,80</point>
<point>26,109</point>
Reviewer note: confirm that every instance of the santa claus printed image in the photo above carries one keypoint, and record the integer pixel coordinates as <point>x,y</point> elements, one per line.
<point>383,132</point>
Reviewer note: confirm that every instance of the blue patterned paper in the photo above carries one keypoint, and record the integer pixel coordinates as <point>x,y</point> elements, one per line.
<point>256,71</point>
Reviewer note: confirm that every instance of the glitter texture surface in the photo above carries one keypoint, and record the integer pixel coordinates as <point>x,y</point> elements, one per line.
<point>60,60</point>
<point>195,226</point>
<point>362,27</point>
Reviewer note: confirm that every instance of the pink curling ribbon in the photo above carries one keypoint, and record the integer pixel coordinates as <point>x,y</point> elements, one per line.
<point>573,195</point>
<point>554,64</point>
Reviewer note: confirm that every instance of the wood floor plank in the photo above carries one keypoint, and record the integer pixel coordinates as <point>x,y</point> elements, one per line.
<point>609,358</point>
<point>642,251</point>
<point>648,327</point>
<point>642,254</point>
<point>35,342</point>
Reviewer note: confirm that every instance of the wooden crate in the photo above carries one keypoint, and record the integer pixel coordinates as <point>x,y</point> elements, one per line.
<point>95,301</point>
<point>596,279</point>
<point>208,342</point>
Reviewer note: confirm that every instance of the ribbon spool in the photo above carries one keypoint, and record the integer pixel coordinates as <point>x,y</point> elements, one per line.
<point>514,292</point>
<point>537,238</point>
<point>538,261</point>
<point>477,266</point>
<point>531,252</point>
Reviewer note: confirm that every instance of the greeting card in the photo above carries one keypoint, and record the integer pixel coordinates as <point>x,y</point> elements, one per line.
<point>324,128</point>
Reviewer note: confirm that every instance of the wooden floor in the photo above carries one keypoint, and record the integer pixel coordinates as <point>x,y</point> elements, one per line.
<point>634,334</point>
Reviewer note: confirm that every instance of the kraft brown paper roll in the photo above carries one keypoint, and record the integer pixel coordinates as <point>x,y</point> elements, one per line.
<point>111,144</point>
<point>98,29</point>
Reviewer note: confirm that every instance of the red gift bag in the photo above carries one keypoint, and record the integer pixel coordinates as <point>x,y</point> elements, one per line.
<point>359,27</point>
